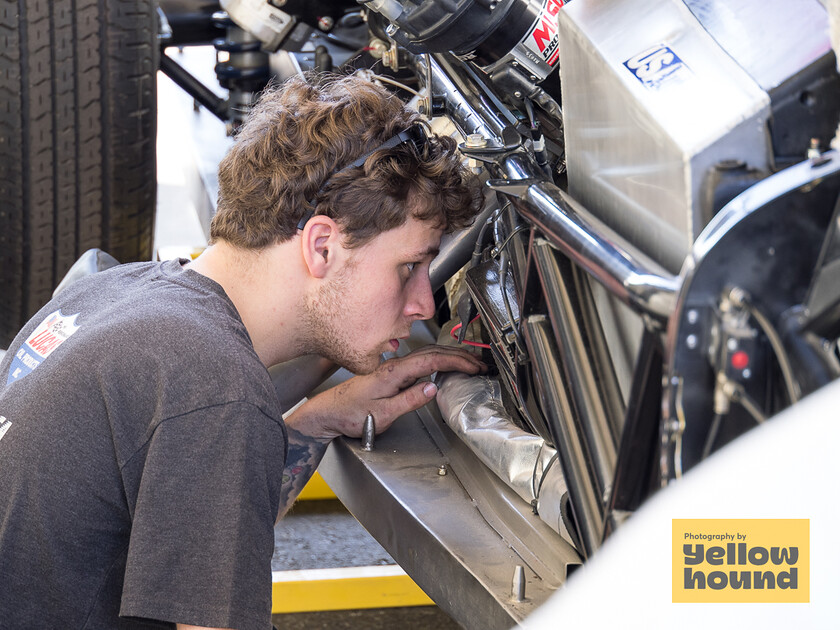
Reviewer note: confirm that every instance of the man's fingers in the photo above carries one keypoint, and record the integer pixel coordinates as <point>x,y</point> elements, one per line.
<point>442,349</point>
<point>389,392</point>
<point>404,371</point>
<point>406,401</point>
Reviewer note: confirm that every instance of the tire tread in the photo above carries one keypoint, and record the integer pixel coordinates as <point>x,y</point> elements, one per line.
<point>77,141</point>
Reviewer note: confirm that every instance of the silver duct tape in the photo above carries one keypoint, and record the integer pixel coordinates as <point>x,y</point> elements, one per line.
<point>472,407</point>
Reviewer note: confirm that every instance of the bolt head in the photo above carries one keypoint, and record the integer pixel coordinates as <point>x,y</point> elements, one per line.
<point>476,140</point>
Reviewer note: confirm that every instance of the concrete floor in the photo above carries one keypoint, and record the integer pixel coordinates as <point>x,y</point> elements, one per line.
<point>418,618</point>
<point>323,534</point>
<point>316,534</point>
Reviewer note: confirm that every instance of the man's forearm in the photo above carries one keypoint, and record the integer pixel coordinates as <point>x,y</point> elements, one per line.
<point>305,454</point>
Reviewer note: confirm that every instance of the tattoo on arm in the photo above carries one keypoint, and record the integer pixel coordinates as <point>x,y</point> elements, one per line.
<point>305,454</point>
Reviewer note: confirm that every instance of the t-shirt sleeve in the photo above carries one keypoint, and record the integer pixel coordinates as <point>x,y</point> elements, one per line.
<point>202,536</point>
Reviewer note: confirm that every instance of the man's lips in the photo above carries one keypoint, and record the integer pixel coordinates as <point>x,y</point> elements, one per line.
<point>395,342</point>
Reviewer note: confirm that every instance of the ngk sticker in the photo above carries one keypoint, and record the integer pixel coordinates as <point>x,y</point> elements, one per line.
<point>543,38</point>
<point>50,333</point>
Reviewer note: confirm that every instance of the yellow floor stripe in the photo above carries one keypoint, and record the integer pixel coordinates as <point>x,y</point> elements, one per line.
<point>316,488</point>
<point>350,588</point>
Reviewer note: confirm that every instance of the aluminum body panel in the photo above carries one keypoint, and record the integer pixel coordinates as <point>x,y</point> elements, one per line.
<point>649,108</point>
<point>446,538</point>
<point>772,42</point>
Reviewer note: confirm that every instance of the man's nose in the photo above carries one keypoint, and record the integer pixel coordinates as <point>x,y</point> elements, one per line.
<point>421,301</point>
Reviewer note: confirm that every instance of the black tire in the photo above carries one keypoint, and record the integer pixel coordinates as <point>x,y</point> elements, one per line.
<point>77,141</point>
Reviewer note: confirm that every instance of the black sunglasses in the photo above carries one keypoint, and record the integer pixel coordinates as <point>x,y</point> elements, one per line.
<point>416,135</point>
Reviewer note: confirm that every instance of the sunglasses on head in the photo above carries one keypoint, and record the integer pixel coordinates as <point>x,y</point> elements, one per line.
<point>415,135</point>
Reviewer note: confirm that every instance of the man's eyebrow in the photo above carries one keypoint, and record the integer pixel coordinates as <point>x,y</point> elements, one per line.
<point>430,251</point>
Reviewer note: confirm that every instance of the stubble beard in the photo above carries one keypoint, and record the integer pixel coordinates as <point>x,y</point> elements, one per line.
<point>325,336</point>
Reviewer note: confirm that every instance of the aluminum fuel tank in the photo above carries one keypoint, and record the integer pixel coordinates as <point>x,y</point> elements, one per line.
<point>654,98</point>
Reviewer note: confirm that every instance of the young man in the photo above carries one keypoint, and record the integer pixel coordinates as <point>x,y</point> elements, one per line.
<point>143,457</point>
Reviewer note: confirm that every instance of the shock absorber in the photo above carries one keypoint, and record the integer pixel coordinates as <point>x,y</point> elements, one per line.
<point>242,68</point>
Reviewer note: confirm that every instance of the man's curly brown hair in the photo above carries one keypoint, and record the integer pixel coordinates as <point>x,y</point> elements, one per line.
<point>291,151</point>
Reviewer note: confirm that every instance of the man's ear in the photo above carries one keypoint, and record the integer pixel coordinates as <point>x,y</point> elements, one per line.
<point>320,245</point>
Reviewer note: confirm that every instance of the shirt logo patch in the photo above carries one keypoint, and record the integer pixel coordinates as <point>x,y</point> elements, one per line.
<point>43,341</point>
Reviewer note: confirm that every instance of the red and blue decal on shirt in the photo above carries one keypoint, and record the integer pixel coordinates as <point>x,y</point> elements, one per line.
<point>49,335</point>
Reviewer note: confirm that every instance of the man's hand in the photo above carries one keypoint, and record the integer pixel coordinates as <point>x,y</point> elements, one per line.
<point>388,392</point>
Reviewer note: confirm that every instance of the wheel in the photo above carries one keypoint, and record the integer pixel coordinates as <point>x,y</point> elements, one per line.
<point>77,141</point>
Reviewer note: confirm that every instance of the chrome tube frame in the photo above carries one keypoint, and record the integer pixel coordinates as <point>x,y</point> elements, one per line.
<point>556,398</point>
<point>567,382</point>
<point>590,415</point>
<point>464,101</point>
<point>622,269</point>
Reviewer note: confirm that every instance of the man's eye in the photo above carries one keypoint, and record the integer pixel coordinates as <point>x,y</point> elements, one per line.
<point>410,266</point>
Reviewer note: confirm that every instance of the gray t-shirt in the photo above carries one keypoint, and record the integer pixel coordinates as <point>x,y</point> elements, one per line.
<point>141,457</point>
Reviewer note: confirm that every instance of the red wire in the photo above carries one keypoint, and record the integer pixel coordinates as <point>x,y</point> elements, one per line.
<point>457,327</point>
